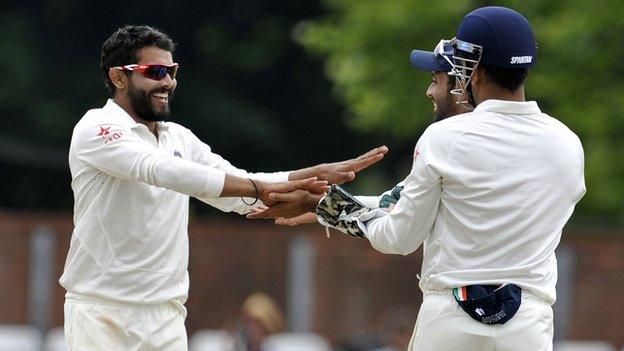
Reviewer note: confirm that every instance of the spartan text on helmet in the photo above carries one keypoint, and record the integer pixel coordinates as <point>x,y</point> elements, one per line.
<point>516,60</point>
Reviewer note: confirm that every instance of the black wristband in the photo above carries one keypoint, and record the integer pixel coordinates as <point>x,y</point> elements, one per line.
<point>257,194</point>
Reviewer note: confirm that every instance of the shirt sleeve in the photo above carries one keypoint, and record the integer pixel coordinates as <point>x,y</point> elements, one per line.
<point>405,228</point>
<point>202,154</point>
<point>386,198</point>
<point>116,150</point>
<point>369,201</point>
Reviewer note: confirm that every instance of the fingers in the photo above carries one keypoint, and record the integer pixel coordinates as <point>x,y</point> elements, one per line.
<point>318,187</point>
<point>292,196</point>
<point>256,210</point>
<point>378,150</point>
<point>343,177</point>
<point>258,207</point>
<point>291,213</point>
<point>259,215</point>
<point>360,164</point>
<point>285,221</point>
<point>300,184</point>
<point>290,185</point>
<point>319,184</point>
<point>276,211</point>
<point>309,217</point>
<point>315,186</point>
<point>303,219</point>
<point>271,212</point>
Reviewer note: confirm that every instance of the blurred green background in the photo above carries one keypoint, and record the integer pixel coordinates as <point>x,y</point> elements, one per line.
<point>274,85</point>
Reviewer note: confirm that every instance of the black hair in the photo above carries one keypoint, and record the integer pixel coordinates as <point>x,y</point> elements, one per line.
<point>121,48</point>
<point>508,78</point>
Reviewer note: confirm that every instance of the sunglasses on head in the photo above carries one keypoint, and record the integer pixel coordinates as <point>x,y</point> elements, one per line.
<point>152,71</point>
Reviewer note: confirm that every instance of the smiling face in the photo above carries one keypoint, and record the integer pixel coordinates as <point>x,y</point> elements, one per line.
<point>148,98</point>
<point>444,103</point>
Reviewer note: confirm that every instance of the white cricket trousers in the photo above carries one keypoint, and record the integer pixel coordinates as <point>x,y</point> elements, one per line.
<point>442,325</point>
<point>94,324</point>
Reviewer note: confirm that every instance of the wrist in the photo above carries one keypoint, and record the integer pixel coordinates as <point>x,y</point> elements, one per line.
<point>262,189</point>
<point>255,192</point>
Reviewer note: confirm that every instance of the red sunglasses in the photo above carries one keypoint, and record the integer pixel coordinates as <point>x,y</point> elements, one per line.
<point>152,71</point>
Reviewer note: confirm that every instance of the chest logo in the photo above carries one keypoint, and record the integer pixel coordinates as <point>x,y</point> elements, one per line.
<point>104,131</point>
<point>177,153</point>
<point>109,135</point>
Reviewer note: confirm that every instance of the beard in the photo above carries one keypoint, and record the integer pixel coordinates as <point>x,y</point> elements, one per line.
<point>445,108</point>
<point>141,101</point>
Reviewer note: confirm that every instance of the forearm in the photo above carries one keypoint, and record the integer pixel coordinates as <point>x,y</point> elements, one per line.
<point>234,186</point>
<point>392,234</point>
<point>232,194</point>
<point>405,228</point>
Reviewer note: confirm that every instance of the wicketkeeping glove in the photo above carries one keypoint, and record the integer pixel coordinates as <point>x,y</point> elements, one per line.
<point>340,210</point>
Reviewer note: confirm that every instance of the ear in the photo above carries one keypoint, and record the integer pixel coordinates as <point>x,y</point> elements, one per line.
<point>477,77</point>
<point>119,78</point>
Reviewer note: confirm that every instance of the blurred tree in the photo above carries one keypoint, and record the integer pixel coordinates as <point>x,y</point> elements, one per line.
<point>366,44</point>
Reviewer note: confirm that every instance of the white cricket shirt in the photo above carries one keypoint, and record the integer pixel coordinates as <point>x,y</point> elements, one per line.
<point>488,194</point>
<point>131,192</point>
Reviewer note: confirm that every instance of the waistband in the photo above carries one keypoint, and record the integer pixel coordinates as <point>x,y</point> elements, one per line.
<point>526,295</point>
<point>101,301</point>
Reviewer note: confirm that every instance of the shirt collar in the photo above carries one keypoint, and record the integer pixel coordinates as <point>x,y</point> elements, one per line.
<point>127,120</point>
<point>509,107</point>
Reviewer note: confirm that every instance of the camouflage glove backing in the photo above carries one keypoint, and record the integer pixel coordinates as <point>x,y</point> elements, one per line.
<point>340,210</point>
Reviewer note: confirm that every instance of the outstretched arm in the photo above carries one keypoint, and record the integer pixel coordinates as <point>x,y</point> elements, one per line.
<point>338,172</point>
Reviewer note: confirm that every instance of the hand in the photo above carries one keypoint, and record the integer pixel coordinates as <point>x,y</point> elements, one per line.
<point>288,205</point>
<point>268,192</point>
<point>309,217</point>
<point>305,218</point>
<point>344,171</point>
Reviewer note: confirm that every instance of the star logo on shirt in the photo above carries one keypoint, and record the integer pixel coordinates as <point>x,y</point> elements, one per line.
<point>110,134</point>
<point>104,131</point>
